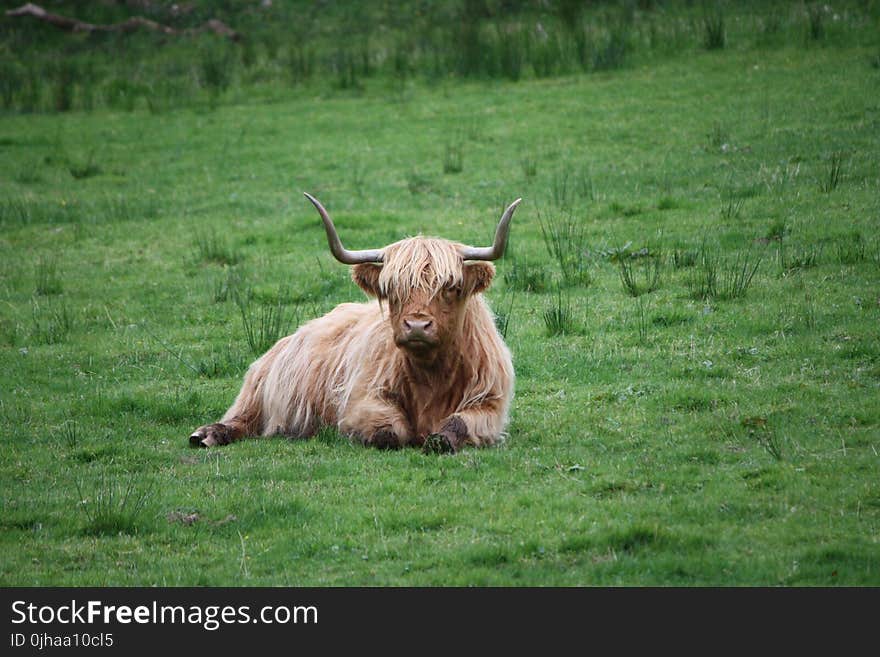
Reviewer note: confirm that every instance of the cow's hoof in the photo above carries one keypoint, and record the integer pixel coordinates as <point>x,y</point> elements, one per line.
<point>438,443</point>
<point>384,439</point>
<point>211,435</point>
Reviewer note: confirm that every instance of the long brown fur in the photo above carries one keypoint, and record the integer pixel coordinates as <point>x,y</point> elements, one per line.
<point>346,369</point>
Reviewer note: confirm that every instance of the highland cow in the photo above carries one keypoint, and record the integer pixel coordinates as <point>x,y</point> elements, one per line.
<point>421,365</point>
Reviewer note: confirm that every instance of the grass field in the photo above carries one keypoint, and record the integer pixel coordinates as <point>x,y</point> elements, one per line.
<point>691,296</point>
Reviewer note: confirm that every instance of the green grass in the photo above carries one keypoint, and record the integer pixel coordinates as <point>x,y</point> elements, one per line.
<point>642,274</point>
<point>673,439</point>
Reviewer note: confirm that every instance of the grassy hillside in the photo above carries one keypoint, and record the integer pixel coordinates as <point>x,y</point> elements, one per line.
<point>691,298</point>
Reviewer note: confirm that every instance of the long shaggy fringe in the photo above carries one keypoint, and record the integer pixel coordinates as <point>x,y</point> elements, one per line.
<point>420,263</point>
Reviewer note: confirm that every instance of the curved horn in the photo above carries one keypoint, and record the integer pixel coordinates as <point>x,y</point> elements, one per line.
<point>342,254</point>
<point>497,249</point>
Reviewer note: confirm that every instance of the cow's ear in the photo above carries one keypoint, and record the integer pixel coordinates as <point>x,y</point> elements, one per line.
<point>366,275</point>
<point>478,276</point>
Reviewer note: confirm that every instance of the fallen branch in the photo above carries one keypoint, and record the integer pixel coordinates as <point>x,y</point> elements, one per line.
<point>131,25</point>
<point>154,7</point>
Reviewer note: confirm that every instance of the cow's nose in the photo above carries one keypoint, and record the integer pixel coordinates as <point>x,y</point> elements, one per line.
<point>417,325</point>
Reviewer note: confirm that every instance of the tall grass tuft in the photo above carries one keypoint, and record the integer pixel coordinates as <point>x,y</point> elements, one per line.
<point>10,81</point>
<point>453,159</point>
<point>815,22</point>
<point>529,166</point>
<point>69,434</point>
<point>723,278</point>
<point>683,258</point>
<point>402,67</point>
<point>792,258</point>
<point>759,429</point>
<point>81,170</point>
<point>777,230</point>
<point>737,277</point>
<point>558,318</point>
<point>547,54</point>
<point>640,275</point>
<point>264,324</point>
<point>714,32</point>
<point>350,65</point>
<point>15,211</point>
<point>469,57</point>
<point>717,137</point>
<point>29,173</point>
<point>212,247</point>
<point>809,312</point>
<point>228,361</point>
<point>504,51</point>
<point>301,63</point>
<point>526,277</point>
<point>228,286</point>
<point>113,506</point>
<point>611,51</point>
<point>779,179</point>
<point>120,207</point>
<point>731,205</point>
<point>48,281</point>
<point>643,322</point>
<point>216,67</point>
<point>565,238</point>
<point>30,211</point>
<point>30,98</point>
<point>51,322</point>
<point>504,317</point>
<point>703,282</point>
<point>569,12</point>
<point>418,183</point>
<point>569,186</point>
<point>66,74</point>
<point>852,249</point>
<point>832,177</point>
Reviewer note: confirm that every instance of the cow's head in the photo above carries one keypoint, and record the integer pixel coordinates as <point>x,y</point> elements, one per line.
<point>426,282</point>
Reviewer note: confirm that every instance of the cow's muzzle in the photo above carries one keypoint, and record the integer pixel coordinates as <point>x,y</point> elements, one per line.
<point>417,334</point>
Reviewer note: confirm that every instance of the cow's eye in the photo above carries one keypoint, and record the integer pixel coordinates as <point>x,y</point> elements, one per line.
<point>451,293</point>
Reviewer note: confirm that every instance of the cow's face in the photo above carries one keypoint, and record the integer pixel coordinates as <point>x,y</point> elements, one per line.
<point>426,283</point>
<point>426,286</point>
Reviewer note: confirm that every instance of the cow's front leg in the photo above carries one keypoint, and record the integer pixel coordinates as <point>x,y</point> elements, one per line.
<point>479,427</point>
<point>376,424</point>
<point>245,416</point>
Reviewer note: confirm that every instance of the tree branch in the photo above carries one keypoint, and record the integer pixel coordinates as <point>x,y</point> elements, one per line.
<point>131,25</point>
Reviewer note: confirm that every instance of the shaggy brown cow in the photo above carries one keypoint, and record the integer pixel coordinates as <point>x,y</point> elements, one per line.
<point>422,365</point>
